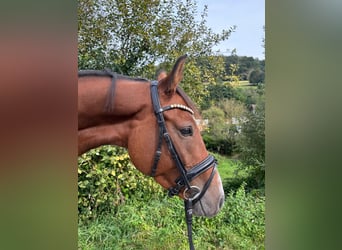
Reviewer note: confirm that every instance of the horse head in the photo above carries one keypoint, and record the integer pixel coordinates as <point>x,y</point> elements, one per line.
<point>166,142</point>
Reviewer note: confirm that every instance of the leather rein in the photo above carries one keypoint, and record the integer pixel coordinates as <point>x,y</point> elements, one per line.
<point>192,194</point>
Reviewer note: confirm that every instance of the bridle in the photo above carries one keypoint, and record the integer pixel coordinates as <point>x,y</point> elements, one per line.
<point>192,194</point>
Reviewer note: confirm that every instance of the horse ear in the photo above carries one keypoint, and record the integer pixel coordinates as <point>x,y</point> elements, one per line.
<point>170,82</point>
<point>161,75</point>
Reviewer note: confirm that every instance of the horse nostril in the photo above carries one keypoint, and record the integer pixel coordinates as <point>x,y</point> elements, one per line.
<point>221,202</point>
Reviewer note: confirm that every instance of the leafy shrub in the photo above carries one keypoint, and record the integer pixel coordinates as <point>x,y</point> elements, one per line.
<point>256,76</point>
<point>160,224</point>
<point>218,145</point>
<point>224,122</point>
<point>251,144</point>
<point>241,175</point>
<point>246,213</point>
<point>106,178</point>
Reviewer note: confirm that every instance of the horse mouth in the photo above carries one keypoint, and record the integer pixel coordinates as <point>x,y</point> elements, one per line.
<point>201,208</point>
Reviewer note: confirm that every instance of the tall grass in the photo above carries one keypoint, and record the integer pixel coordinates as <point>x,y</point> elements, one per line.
<point>160,224</point>
<point>227,167</point>
<point>157,222</point>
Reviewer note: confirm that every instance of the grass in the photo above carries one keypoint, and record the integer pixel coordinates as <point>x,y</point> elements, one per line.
<point>137,225</point>
<point>243,83</point>
<point>227,167</point>
<point>159,223</point>
<point>232,176</point>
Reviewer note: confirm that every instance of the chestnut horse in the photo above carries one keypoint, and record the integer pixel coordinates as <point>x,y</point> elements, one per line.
<point>156,122</point>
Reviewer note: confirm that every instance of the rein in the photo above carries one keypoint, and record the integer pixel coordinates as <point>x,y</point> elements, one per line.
<point>192,194</point>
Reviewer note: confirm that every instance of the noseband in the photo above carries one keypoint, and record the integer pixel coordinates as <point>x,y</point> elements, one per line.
<point>192,194</point>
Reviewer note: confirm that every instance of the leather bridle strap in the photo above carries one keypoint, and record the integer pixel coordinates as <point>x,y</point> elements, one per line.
<point>192,194</point>
<point>193,173</point>
<point>188,207</point>
<point>186,176</point>
<point>164,134</point>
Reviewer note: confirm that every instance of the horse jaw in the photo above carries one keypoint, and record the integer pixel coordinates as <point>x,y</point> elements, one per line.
<point>212,202</point>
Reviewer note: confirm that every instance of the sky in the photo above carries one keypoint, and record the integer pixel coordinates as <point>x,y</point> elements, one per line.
<point>247,15</point>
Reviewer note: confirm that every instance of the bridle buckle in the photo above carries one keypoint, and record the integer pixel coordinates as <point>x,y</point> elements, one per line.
<point>191,193</point>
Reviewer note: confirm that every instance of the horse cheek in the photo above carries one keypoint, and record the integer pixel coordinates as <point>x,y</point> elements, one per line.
<point>140,151</point>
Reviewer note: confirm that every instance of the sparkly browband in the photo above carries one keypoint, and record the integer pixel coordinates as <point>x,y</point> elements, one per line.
<point>177,106</point>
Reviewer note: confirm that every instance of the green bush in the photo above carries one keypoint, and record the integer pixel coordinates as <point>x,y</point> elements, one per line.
<point>256,76</point>
<point>246,213</point>
<point>106,178</point>
<point>242,176</point>
<point>160,224</point>
<point>251,144</point>
<point>218,145</point>
<point>122,209</point>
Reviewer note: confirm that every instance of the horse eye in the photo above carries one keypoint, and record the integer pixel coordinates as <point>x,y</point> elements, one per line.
<point>187,131</point>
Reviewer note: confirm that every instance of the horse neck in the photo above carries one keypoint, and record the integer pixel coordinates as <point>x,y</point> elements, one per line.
<point>100,125</point>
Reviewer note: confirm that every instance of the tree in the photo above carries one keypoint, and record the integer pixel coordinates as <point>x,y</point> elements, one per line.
<point>215,135</point>
<point>224,124</point>
<point>251,142</point>
<point>133,36</point>
<point>246,64</point>
<point>216,122</point>
<point>256,76</point>
<point>234,78</point>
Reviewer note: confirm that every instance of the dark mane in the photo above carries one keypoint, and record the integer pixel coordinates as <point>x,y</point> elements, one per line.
<point>107,72</point>
<point>89,72</point>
